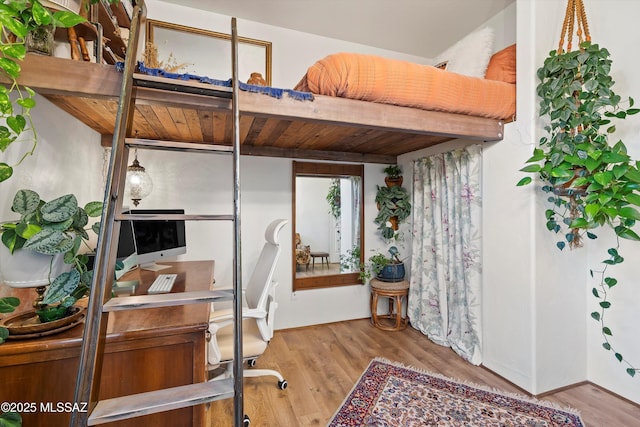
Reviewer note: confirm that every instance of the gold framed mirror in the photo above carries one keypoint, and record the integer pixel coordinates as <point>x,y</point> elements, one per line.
<point>206,53</point>
<point>328,224</point>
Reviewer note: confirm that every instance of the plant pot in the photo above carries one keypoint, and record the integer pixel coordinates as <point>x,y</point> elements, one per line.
<point>40,40</point>
<point>393,182</point>
<point>29,269</point>
<point>391,273</point>
<point>394,223</point>
<point>566,188</point>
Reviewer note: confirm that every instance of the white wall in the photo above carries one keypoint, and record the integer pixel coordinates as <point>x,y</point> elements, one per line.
<point>293,51</point>
<point>537,300</point>
<point>312,212</point>
<point>610,22</point>
<point>68,159</point>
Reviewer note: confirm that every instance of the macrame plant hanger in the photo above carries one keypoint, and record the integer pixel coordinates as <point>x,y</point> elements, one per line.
<point>575,14</point>
<point>575,17</point>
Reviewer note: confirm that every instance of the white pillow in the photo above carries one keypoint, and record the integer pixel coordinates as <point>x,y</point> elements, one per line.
<point>470,56</point>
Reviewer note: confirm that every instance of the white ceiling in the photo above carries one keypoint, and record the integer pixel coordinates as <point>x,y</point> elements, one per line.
<point>418,27</point>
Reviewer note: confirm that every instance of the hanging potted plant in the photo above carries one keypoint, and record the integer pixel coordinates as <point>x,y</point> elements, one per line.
<point>590,181</point>
<point>394,206</point>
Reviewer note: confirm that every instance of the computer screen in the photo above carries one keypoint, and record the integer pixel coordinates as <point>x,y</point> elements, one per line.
<point>126,242</point>
<point>156,240</point>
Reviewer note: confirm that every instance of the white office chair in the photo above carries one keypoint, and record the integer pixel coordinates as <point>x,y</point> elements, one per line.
<point>258,315</point>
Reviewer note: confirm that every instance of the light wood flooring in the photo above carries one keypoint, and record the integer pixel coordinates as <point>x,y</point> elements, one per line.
<point>320,269</point>
<point>322,364</point>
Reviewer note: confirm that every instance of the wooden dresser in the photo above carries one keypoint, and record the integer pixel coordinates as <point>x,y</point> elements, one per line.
<point>146,350</point>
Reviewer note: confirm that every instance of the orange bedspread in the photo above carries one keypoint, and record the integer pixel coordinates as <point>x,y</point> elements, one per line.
<point>391,81</point>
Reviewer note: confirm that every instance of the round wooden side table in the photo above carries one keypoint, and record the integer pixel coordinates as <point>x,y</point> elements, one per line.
<point>395,292</point>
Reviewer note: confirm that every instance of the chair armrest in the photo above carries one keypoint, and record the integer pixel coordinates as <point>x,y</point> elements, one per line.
<point>253,314</point>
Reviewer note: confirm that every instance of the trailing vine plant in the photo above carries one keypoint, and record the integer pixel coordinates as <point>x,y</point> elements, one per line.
<point>17,19</point>
<point>589,181</point>
<point>333,198</point>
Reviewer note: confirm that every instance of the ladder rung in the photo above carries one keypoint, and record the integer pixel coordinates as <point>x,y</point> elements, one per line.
<point>122,408</point>
<point>178,145</point>
<point>183,86</point>
<point>172,217</point>
<point>167,300</point>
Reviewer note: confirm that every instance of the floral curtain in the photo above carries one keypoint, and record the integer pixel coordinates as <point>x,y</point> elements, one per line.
<point>445,291</point>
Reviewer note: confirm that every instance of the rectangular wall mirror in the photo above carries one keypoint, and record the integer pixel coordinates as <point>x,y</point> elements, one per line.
<point>328,225</point>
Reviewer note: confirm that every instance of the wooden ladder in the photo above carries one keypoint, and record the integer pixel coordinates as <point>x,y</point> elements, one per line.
<point>100,304</point>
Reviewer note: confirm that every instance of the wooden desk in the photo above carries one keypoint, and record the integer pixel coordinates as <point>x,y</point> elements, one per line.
<point>145,350</point>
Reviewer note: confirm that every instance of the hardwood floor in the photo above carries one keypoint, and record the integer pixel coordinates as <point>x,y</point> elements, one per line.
<point>322,364</point>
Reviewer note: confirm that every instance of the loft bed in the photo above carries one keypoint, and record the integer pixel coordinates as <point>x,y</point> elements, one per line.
<point>327,128</point>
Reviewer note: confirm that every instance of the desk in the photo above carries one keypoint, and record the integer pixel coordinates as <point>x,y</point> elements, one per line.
<point>145,350</point>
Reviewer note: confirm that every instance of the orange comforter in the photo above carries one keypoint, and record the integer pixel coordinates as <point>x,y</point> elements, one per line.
<point>391,81</point>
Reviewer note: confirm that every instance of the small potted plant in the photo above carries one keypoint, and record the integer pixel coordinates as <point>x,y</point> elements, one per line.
<point>394,175</point>
<point>388,268</point>
<point>47,230</point>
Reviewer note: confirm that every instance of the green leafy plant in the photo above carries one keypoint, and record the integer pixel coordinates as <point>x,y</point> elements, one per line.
<point>393,171</point>
<point>7,305</point>
<point>394,207</point>
<point>374,264</point>
<point>18,18</point>
<point>590,181</point>
<point>10,419</point>
<point>333,198</point>
<point>50,228</point>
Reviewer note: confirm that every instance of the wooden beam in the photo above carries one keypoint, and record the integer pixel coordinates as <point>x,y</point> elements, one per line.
<point>317,155</point>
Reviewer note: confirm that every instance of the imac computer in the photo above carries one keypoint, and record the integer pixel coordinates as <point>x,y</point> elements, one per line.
<point>126,249</point>
<point>156,240</point>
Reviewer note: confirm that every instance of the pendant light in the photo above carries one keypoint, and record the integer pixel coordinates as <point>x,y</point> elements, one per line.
<point>139,182</point>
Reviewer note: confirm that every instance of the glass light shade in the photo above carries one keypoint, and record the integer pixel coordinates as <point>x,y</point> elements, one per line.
<point>139,184</point>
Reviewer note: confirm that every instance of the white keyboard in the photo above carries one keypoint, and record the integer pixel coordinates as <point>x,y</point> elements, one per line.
<point>162,284</point>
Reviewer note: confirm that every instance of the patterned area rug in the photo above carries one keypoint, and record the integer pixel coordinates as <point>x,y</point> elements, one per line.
<point>390,394</point>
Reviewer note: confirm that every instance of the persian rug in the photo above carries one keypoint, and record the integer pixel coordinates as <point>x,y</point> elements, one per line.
<point>390,394</point>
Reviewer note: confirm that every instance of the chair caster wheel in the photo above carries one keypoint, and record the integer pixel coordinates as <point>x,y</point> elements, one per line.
<point>282,384</point>
<point>246,421</point>
<point>251,363</point>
